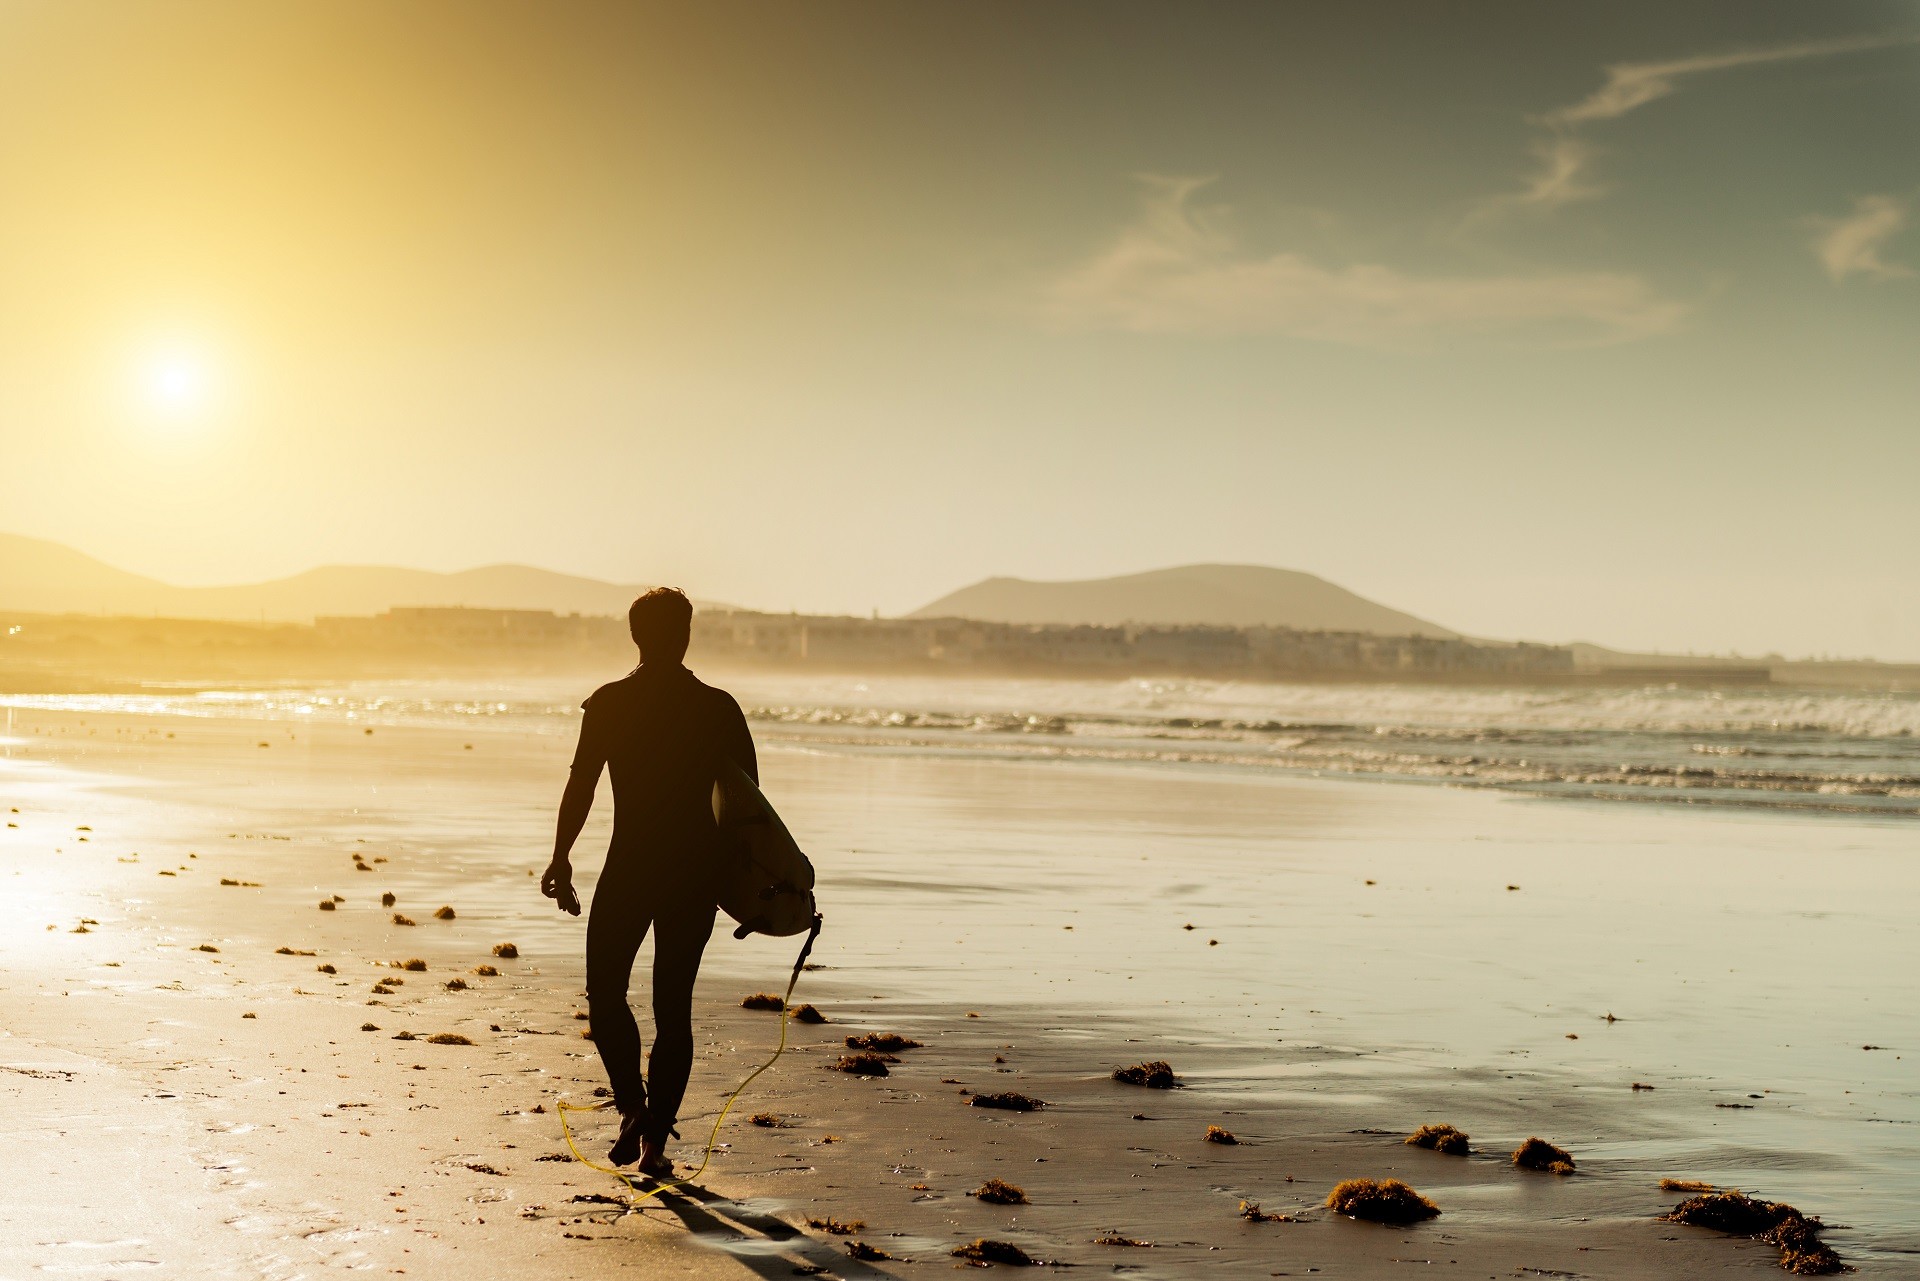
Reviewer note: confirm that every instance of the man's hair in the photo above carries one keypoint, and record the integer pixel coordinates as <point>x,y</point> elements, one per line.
<point>661,622</point>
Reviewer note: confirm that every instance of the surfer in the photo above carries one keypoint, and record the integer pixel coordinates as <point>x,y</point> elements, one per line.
<point>664,736</point>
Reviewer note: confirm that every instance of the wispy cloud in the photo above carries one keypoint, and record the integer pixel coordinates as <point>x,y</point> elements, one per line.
<point>1560,177</point>
<point>1177,271</point>
<point>1634,84</point>
<point>1851,246</point>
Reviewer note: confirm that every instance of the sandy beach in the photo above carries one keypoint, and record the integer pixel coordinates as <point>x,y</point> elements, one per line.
<point>201,1079</point>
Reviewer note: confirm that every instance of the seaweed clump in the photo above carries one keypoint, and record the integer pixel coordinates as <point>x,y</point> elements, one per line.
<point>1538,1154</point>
<point>506,951</point>
<point>763,1001</point>
<point>868,1253</point>
<point>808,1014</point>
<point>885,1042</point>
<point>770,1121</point>
<point>1000,1192</point>
<point>1218,1134</point>
<point>1381,1201</point>
<point>837,1227</point>
<point>1795,1235</point>
<point>1155,1075</point>
<point>1685,1185</point>
<point>861,1064</point>
<point>1252,1213</point>
<point>984,1253</point>
<point>1007,1101</point>
<point>448,1038</point>
<point>1440,1138</point>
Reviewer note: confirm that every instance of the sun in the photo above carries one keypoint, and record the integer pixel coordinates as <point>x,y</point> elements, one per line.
<point>175,385</point>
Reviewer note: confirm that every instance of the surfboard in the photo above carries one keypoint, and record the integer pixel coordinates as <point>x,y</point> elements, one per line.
<point>767,884</point>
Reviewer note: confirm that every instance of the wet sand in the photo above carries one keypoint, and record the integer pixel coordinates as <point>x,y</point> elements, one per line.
<point>153,1122</point>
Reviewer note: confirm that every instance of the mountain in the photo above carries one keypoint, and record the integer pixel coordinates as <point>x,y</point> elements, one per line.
<point>47,578</point>
<point>1223,595</point>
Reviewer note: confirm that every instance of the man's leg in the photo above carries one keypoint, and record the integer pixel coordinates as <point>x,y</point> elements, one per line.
<point>679,939</point>
<point>615,927</point>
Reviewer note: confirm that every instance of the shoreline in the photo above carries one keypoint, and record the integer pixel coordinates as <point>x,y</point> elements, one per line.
<point>1083,1161</point>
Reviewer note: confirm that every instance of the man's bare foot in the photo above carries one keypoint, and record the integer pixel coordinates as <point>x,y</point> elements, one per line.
<point>653,1162</point>
<point>626,1148</point>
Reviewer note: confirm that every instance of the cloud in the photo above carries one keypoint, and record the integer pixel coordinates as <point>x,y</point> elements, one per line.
<point>1851,246</point>
<point>1634,84</point>
<point>1176,271</point>
<point>1564,159</point>
<point>1560,178</point>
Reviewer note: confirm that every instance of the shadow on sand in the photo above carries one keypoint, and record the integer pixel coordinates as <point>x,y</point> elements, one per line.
<point>769,1246</point>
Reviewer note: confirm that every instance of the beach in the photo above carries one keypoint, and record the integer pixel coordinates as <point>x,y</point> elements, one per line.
<point>1326,963</point>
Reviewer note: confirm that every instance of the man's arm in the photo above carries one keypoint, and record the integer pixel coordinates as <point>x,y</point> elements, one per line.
<point>576,802</point>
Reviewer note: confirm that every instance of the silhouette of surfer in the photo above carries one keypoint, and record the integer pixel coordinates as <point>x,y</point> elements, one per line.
<point>662,734</point>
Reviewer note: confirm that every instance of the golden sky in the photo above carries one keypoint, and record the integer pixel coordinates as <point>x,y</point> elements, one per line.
<point>1537,321</point>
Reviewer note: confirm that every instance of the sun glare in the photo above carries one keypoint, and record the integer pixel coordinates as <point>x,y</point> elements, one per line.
<point>175,385</point>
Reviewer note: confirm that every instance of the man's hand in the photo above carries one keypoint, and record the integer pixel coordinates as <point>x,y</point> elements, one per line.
<point>557,884</point>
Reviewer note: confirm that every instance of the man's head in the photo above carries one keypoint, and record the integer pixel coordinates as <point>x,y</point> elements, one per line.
<point>660,622</point>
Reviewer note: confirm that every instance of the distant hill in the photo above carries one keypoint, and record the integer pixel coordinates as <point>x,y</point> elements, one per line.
<point>42,577</point>
<point>1222,595</point>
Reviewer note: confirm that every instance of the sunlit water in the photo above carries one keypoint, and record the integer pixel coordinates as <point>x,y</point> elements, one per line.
<point>1824,751</point>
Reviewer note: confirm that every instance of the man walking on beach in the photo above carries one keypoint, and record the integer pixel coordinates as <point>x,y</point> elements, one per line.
<point>663,736</point>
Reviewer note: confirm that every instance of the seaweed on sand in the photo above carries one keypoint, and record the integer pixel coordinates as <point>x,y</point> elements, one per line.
<point>867,1253</point>
<point>1795,1235</point>
<point>1252,1213</point>
<point>984,1253</point>
<point>1685,1185</point>
<point>764,1001</point>
<point>448,1038</point>
<point>1218,1134</point>
<point>326,905</point>
<point>387,899</point>
<point>1538,1154</point>
<point>885,1042</point>
<point>1000,1192</point>
<point>808,1014</point>
<point>770,1121</point>
<point>414,965</point>
<point>1007,1101</point>
<point>837,1227</point>
<point>486,971</point>
<point>1440,1138</point>
<point>506,951</point>
<point>1116,1238</point>
<point>1156,1074</point>
<point>861,1064</point>
<point>443,914</point>
<point>1381,1201</point>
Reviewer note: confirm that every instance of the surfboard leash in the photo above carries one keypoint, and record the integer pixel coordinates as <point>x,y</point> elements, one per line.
<point>713,1138</point>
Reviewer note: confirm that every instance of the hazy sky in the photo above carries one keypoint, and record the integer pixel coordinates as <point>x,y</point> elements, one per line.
<point>1538,320</point>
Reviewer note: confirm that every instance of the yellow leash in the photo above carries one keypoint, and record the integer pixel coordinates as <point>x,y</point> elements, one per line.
<point>563,1107</point>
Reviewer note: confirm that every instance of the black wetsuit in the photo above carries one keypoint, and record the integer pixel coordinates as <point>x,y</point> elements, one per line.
<point>662,733</point>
